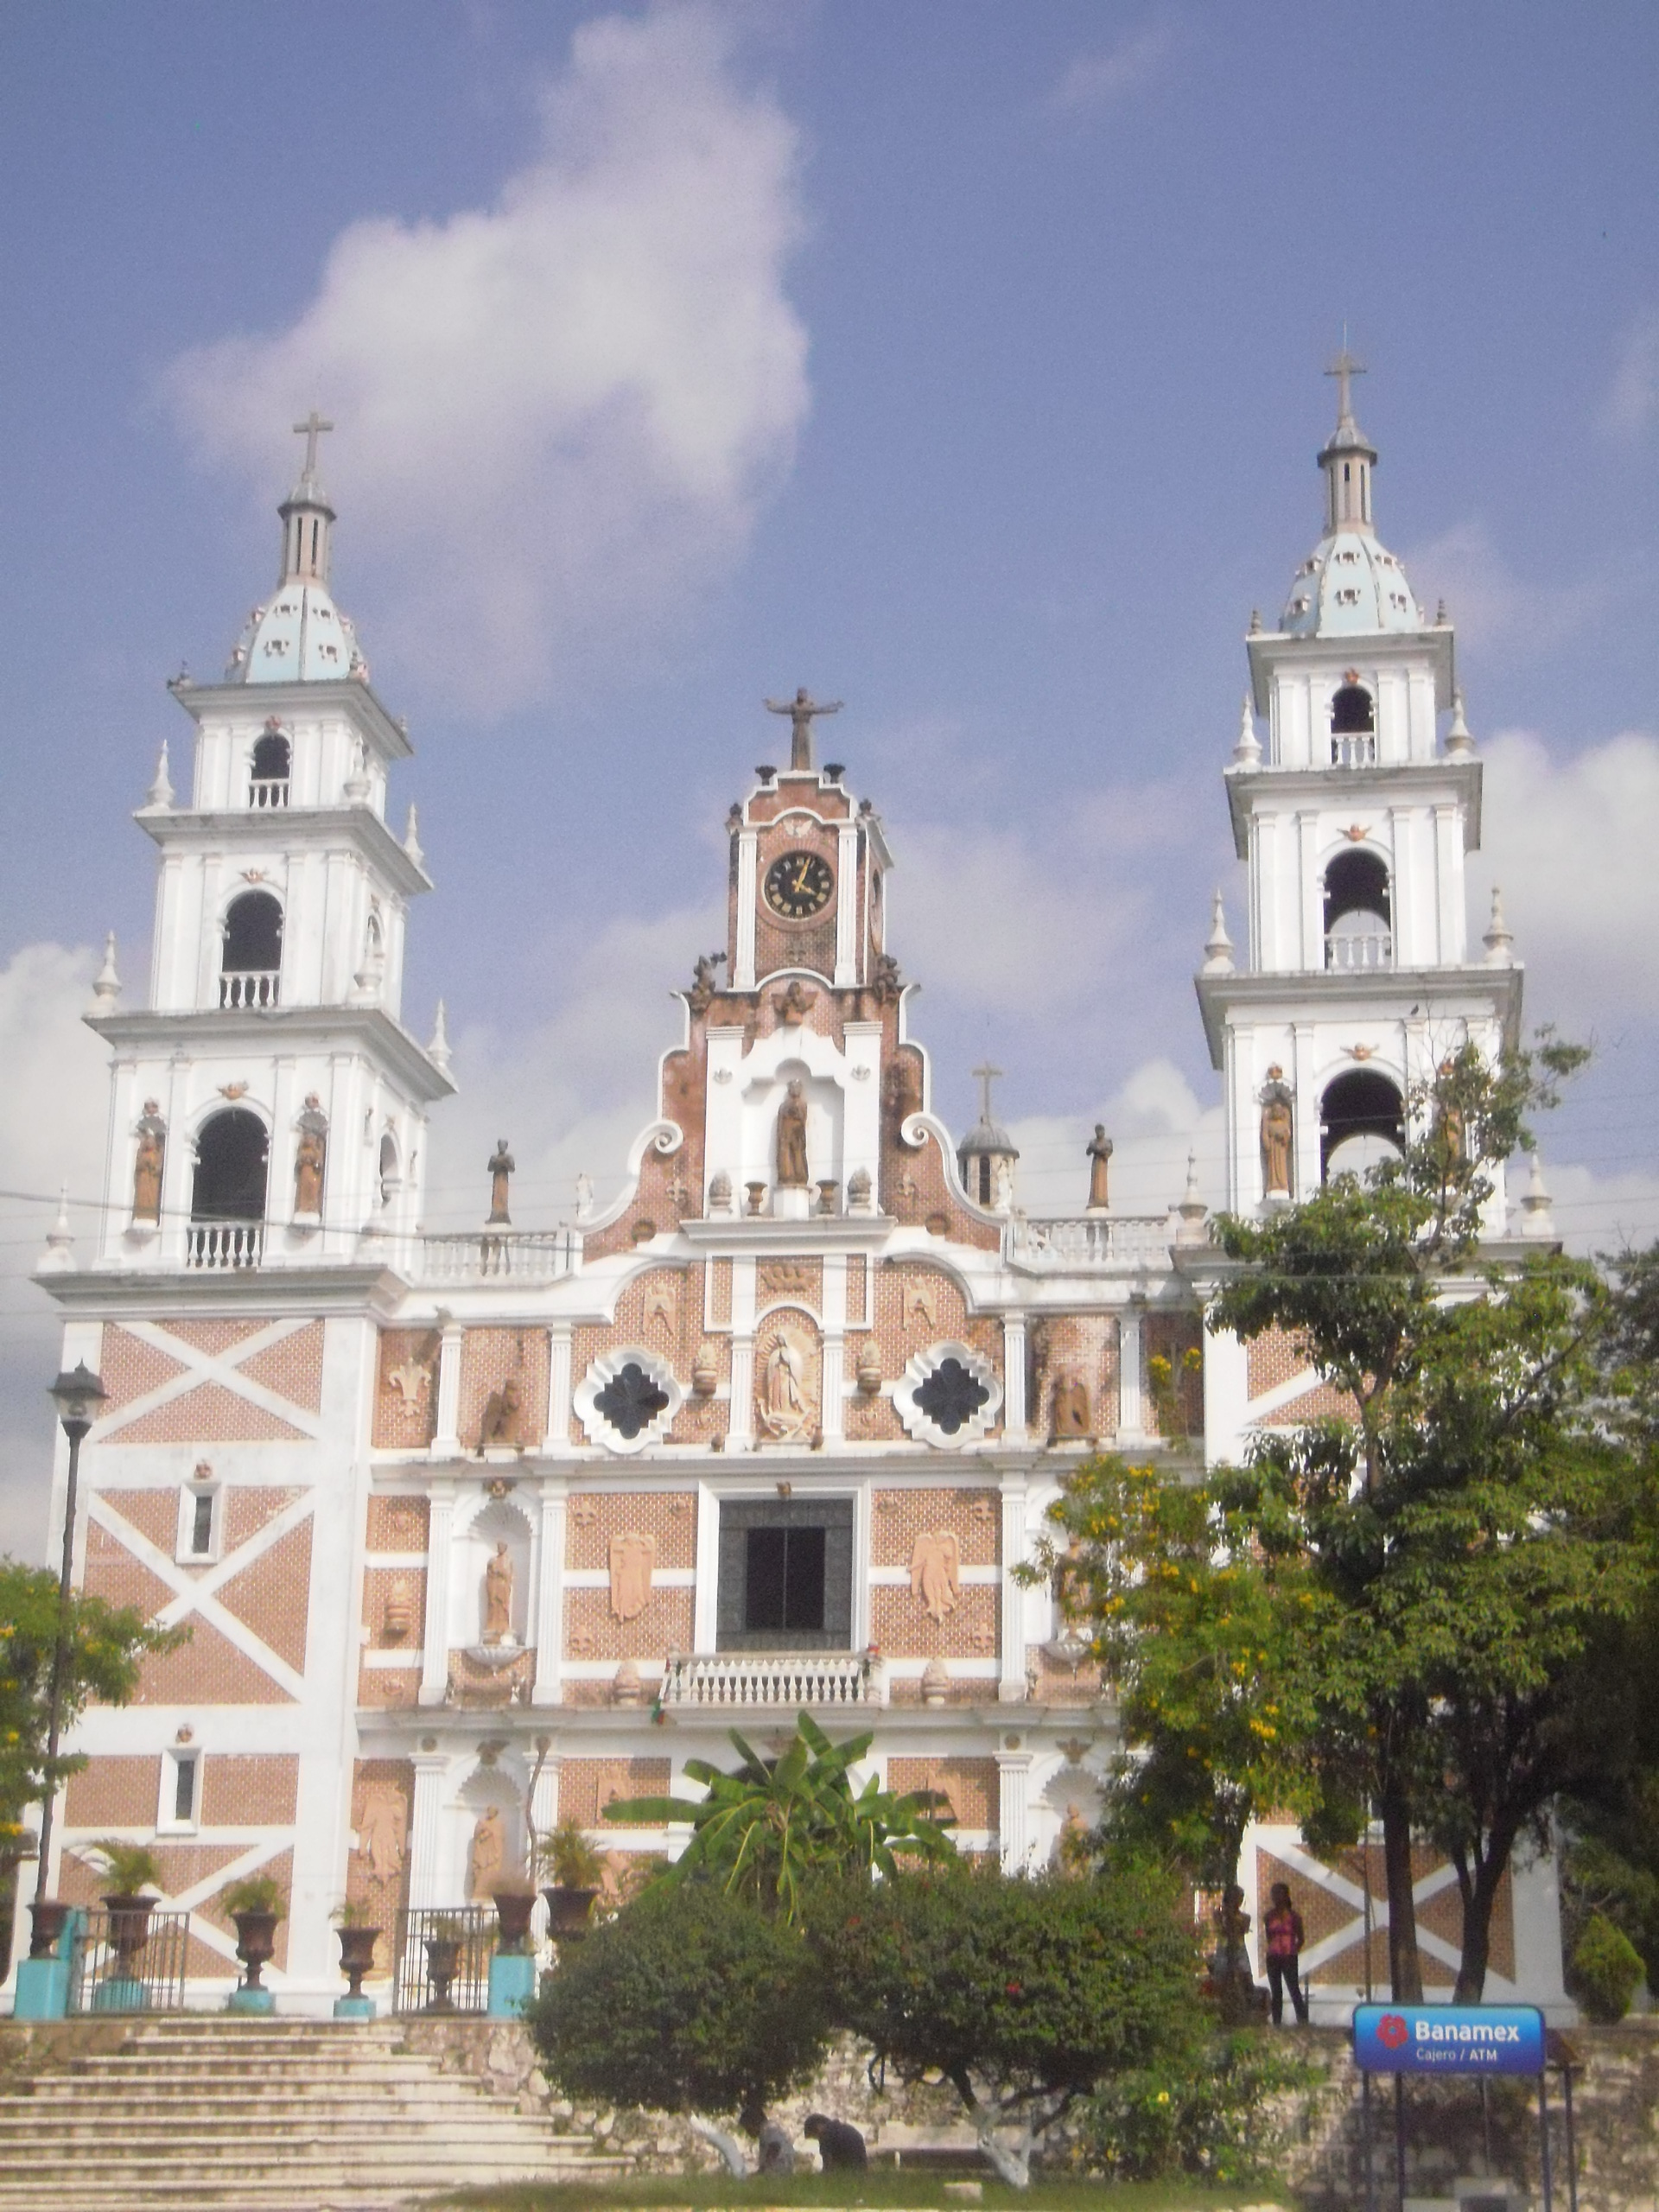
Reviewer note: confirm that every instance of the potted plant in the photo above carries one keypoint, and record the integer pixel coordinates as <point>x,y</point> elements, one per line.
<point>358,1937</point>
<point>577,1869</point>
<point>129,1868</point>
<point>446,1933</point>
<point>514,1903</point>
<point>255,1903</point>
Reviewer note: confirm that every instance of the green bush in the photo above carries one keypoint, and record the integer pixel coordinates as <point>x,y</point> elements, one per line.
<point>1606,1967</point>
<point>1202,2113</point>
<point>254,1893</point>
<point>691,2000</point>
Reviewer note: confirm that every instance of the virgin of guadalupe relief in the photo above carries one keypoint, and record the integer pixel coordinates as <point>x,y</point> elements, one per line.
<point>785,1388</point>
<point>634,1562</point>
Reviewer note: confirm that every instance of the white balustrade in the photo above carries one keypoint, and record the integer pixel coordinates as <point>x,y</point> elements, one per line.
<point>1366,949</point>
<point>1086,1241</point>
<point>268,791</point>
<point>498,1255</point>
<point>1356,749</point>
<point>224,1243</point>
<point>248,987</point>
<point>780,1679</point>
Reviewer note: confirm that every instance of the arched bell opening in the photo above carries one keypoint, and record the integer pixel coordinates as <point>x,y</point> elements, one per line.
<point>251,966</point>
<point>270,769</point>
<point>227,1198</point>
<point>1353,725</point>
<point>1358,913</point>
<point>1361,1122</point>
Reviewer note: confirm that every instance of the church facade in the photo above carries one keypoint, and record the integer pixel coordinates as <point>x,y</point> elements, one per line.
<point>474,1530</point>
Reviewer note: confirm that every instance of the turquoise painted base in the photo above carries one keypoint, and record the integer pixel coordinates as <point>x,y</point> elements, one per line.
<point>119,1994</point>
<point>354,2008</point>
<point>250,2000</point>
<point>512,1982</point>
<point>42,1989</point>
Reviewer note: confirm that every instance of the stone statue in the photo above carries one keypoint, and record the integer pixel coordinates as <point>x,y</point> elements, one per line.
<point>791,1137</point>
<point>785,1412</point>
<point>501,1167</point>
<point>148,1164</point>
<point>383,1832</point>
<point>398,1620</point>
<point>1098,1151</point>
<point>801,709</point>
<point>498,1596</point>
<point>704,983</point>
<point>936,1573</point>
<point>1277,1130</point>
<point>584,1195</point>
<point>504,1417</point>
<point>484,1861</point>
<point>1071,1416</point>
<point>310,1156</point>
<point>633,1562</point>
<point>884,985</point>
<point>1448,1119</point>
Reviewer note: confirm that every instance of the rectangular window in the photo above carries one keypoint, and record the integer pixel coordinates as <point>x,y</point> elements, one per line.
<point>184,1792</point>
<point>201,1524</point>
<point>785,1575</point>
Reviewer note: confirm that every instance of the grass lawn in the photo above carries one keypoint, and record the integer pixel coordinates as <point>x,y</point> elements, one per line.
<point>923,2192</point>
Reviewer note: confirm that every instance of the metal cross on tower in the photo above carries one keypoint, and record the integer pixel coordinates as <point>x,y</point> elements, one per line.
<point>987,1076</point>
<point>1346,368</point>
<point>311,430</point>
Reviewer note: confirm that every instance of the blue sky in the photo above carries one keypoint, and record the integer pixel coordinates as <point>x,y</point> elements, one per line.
<point>963,363</point>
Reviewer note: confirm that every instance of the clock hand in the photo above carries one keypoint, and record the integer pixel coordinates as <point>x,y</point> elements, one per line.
<point>800,879</point>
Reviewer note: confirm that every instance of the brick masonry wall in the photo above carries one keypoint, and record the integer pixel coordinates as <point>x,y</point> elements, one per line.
<point>114,1792</point>
<point>396,1524</point>
<point>591,1631</point>
<point>902,1629</point>
<point>406,1389</point>
<point>249,1790</point>
<point>969,1784</point>
<point>585,1785</point>
<point>899,1516</point>
<point>593,1518</point>
<point>488,1356</point>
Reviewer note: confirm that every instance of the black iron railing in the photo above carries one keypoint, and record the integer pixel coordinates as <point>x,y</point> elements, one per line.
<point>126,1961</point>
<point>442,1959</point>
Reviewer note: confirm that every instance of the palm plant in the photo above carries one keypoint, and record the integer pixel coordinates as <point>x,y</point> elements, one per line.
<point>766,1828</point>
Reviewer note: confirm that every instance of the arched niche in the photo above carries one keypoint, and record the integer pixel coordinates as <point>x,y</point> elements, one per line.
<point>233,1163</point>
<point>496,1522</point>
<point>1358,911</point>
<point>1362,1122</point>
<point>252,959</point>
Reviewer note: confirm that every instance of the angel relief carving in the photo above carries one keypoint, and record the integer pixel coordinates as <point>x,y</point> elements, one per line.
<point>936,1573</point>
<point>633,1563</point>
<point>383,1832</point>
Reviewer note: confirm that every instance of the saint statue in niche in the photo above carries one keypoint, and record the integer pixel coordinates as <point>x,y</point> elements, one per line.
<point>936,1573</point>
<point>483,1860</point>
<point>791,1137</point>
<point>633,1562</point>
<point>383,1832</point>
<point>1276,1132</point>
<point>1099,1152</point>
<point>1070,1407</point>
<point>148,1164</point>
<point>500,1169</point>
<point>785,1411</point>
<point>504,1416</point>
<point>310,1156</point>
<point>498,1596</point>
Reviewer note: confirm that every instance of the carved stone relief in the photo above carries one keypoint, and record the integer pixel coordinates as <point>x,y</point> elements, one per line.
<point>632,1563</point>
<point>936,1573</point>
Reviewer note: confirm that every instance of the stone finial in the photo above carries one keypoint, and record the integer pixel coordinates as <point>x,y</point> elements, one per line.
<point>107,984</point>
<point>1459,743</point>
<point>720,1192</point>
<point>1536,1218</point>
<point>160,793</point>
<point>1189,1209</point>
<point>1440,616</point>
<point>437,1050</point>
<point>1218,946</point>
<point>59,1255</point>
<point>1255,621</point>
<point>935,1682</point>
<point>411,837</point>
<point>1499,939</point>
<point>1248,751</point>
<point>859,1192</point>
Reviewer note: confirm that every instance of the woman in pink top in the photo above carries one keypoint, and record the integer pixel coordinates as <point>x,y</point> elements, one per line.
<point>1284,1936</point>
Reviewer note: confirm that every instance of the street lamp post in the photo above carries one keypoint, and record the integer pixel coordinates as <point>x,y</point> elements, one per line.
<point>78,1395</point>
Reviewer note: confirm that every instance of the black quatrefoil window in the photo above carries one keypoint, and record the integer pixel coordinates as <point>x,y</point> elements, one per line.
<point>950,1396</point>
<point>631,1400</point>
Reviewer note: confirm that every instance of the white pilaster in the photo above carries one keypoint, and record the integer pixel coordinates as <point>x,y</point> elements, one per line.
<point>1014,1377</point>
<point>426,1831</point>
<point>747,847</point>
<point>1012,1809</point>
<point>446,1443</point>
<point>549,1687</point>
<point>846,907</point>
<point>434,1651</point>
<point>1011,1681</point>
<point>558,1432</point>
<point>1130,1417</point>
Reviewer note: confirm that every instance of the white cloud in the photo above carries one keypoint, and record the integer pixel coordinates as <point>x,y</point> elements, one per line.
<point>558,414</point>
<point>1571,843</point>
<point>53,1108</point>
<point>1598,1213</point>
<point>1489,604</point>
<point>1153,1119</point>
<point>1633,401</point>
<point>1094,81</point>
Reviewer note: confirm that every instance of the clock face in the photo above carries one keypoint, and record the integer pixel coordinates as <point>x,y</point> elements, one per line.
<point>798,886</point>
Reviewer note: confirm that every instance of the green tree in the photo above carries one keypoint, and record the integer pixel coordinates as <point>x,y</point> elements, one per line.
<point>1456,1542</point>
<point>691,2000</point>
<point>1023,1993</point>
<point>106,1646</point>
<point>763,1830</point>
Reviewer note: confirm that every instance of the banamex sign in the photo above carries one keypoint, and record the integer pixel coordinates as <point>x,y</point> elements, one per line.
<point>1449,2039</point>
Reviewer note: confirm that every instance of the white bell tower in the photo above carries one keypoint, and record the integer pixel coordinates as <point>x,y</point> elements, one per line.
<point>1357,979</point>
<point>268,1107</point>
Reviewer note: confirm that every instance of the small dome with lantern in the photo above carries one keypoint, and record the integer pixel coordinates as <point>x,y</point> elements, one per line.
<point>299,635</point>
<point>1349,585</point>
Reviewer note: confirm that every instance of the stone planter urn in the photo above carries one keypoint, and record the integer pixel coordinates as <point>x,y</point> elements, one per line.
<point>129,1931</point>
<point>512,1909</point>
<point>567,1911</point>
<point>47,1917</point>
<point>443,1965</point>
<point>256,1939</point>
<point>357,1957</point>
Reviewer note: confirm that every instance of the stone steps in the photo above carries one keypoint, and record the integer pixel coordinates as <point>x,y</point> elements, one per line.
<point>231,2116</point>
